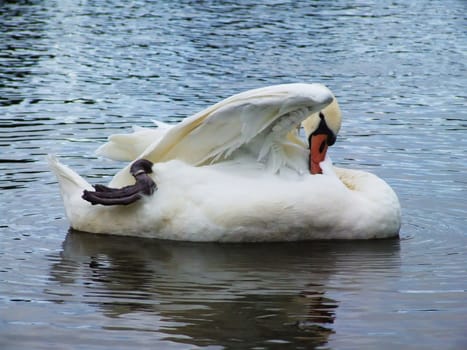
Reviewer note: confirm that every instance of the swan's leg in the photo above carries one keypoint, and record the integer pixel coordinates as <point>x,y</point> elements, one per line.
<point>126,195</point>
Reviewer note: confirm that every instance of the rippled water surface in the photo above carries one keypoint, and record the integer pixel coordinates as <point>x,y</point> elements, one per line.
<point>74,72</point>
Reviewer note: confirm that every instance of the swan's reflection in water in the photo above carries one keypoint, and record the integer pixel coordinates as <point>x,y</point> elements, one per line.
<point>229,295</point>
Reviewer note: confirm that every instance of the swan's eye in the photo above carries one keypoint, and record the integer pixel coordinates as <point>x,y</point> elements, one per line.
<point>323,128</point>
<point>331,139</point>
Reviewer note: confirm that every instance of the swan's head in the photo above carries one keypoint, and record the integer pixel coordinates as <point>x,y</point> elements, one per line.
<point>321,129</point>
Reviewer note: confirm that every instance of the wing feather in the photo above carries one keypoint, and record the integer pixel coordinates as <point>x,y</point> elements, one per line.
<point>216,132</point>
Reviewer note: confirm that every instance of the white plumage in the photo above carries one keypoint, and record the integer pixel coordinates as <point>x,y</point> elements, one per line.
<point>238,171</point>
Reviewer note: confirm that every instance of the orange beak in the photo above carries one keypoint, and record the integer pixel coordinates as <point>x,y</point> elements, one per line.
<point>318,148</point>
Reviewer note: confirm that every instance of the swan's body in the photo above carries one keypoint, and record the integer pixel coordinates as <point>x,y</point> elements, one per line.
<point>238,171</point>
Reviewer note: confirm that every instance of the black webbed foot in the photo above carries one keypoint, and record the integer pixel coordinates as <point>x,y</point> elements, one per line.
<point>126,195</point>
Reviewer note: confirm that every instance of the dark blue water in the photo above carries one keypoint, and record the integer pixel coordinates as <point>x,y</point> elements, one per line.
<point>72,73</point>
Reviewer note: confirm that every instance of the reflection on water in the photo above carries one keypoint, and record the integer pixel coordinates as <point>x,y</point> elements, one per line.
<point>260,295</point>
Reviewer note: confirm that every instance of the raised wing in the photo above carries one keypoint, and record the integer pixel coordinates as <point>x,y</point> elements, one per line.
<point>128,147</point>
<point>261,117</point>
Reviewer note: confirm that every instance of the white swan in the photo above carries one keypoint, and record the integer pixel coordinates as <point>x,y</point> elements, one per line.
<point>238,171</point>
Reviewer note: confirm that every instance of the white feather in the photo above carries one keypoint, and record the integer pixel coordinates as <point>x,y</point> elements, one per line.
<point>259,121</point>
<point>237,172</point>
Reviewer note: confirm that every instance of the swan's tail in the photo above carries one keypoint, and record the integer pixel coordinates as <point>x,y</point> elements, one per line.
<point>71,186</point>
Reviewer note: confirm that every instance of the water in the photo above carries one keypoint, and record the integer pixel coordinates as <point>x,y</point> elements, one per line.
<point>72,73</point>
